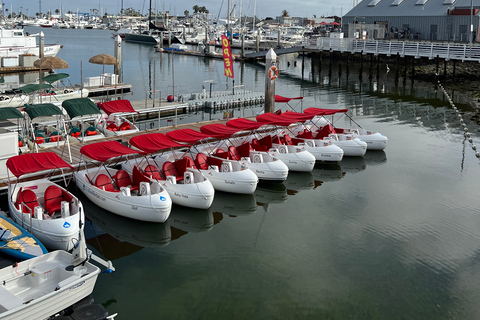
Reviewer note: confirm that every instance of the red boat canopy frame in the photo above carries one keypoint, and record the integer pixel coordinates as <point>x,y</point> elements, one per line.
<point>33,162</point>
<point>188,135</point>
<point>324,112</point>
<point>103,151</point>
<point>154,142</point>
<point>116,106</point>
<point>219,130</point>
<point>285,99</point>
<point>244,124</point>
<point>280,120</point>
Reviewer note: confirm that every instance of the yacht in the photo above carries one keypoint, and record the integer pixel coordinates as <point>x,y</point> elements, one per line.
<point>16,42</point>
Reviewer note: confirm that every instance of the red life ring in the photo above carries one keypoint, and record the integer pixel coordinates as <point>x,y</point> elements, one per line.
<point>273,72</point>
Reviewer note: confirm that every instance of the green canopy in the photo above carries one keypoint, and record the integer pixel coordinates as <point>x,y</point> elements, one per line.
<point>34,87</point>
<point>55,77</point>
<point>80,107</point>
<point>42,110</point>
<point>9,113</point>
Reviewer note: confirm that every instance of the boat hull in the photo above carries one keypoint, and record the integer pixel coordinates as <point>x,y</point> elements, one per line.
<point>294,158</point>
<point>374,141</point>
<point>197,195</point>
<point>241,182</point>
<point>59,96</point>
<point>18,242</point>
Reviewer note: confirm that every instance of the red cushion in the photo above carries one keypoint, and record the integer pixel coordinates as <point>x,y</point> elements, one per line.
<point>169,169</point>
<point>152,172</point>
<point>201,161</point>
<point>233,153</point>
<point>104,182</point>
<point>54,197</point>
<point>122,178</point>
<point>29,198</point>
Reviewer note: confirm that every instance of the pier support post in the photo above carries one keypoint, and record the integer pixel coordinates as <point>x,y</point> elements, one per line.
<point>454,67</point>
<point>413,68</point>
<point>444,68</point>
<point>117,69</point>
<point>436,61</point>
<point>270,72</point>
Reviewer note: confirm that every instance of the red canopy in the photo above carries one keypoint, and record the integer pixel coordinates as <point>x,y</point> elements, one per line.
<point>33,162</point>
<point>244,124</point>
<point>334,23</point>
<point>154,142</point>
<point>218,129</point>
<point>285,100</point>
<point>297,116</point>
<point>277,119</point>
<point>323,23</point>
<point>188,135</point>
<point>116,106</point>
<point>323,112</point>
<point>102,151</point>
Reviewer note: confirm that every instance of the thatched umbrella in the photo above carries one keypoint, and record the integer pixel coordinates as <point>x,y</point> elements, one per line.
<point>103,59</point>
<point>51,63</point>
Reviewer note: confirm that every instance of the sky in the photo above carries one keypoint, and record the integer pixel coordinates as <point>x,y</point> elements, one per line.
<point>264,8</point>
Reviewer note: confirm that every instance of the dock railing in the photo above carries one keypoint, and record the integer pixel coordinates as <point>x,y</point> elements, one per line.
<point>417,49</point>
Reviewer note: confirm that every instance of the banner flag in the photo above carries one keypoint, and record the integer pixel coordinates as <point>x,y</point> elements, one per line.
<point>227,57</point>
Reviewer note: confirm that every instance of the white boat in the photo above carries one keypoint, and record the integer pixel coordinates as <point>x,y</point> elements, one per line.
<point>297,158</point>
<point>133,196</point>
<point>13,101</point>
<point>82,127</point>
<point>45,209</point>
<point>267,167</point>
<point>40,287</point>
<point>54,93</point>
<point>16,42</point>
<point>225,175</point>
<point>115,123</point>
<point>185,184</point>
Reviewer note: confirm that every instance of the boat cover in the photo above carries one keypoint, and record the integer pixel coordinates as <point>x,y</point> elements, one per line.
<point>285,99</point>
<point>116,106</point>
<point>42,110</point>
<point>80,107</point>
<point>297,116</point>
<point>33,162</point>
<point>103,151</point>
<point>34,87</point>
<point>280,120</point>
<point>244,124</point>
<point>323,112</point>
<point>218,130</point>
<point>10,113</point>
<point>51,78</point>
<point>188,135</point>
<point>154,142</point>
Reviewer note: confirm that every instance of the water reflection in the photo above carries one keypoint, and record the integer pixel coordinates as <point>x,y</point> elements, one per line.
<point>297,181</point>
<point>375,157</point>
<point>191,220</point>
<point>234,205</point>
<point>267,194</point>
<point>353,164</point>
<point>326,173</point>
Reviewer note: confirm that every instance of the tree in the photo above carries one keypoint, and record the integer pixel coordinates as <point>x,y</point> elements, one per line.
<point>131,12</point>
<point>186,13</point>
<point>196,9</point>
<point>285,13</point>
<point>57,11</point>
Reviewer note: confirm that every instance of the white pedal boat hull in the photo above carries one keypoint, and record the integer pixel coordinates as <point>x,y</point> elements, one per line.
<point>296,158</point>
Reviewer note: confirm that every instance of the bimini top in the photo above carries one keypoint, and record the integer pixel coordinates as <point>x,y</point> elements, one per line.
<point>244,124</point>
<point>10,113</point>
<point>323,112</point>
<point>154,142</point>
<point>103,151</point>
<point>51,78</point>
<point>285,99</point>
<point>218,130</point>
<point>116,106</point>
<point>34,162</point>
<point>80,107</point>
<point>42,110</point>
<point>282,119</point>
<point>188,135</point>
<point>34,87</point>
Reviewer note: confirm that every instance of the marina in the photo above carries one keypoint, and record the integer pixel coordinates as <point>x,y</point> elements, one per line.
<point>387,234</point>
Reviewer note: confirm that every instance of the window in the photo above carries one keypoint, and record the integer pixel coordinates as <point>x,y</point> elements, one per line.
<point>396,2</point>
<point>374,3</point>
<point>421,2</point>
<point>449,2</point>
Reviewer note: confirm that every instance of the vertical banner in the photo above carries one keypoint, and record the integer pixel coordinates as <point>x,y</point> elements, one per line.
<point>227,57</point>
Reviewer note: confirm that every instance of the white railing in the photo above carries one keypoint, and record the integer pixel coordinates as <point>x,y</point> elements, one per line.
<point>431,50</point>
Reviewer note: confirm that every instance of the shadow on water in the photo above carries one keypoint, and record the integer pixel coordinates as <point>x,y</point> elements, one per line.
<point>267,194</point>
<point>234,205</point>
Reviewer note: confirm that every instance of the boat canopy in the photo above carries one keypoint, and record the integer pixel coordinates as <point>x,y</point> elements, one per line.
<point>297,116</point>
<point>218,130</point>
<point>285,99</point>
<point>280,120</point>
<point>188,135</point>
<point>42,110</point>
<point>29,88</point>
<point>34,162</point>
<point>323,112</point>
<point>55,77</point>
<point>80,107</point>
<point>154,142</point>
<point>116,106</point>
<point>10,113</point>
<point>103,151</point>
<point>244,124</point>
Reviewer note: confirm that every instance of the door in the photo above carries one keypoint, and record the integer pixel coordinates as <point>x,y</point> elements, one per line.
<point>462,30</point>
<point>433,32</point>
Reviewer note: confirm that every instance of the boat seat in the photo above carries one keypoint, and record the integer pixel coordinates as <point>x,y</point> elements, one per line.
<point>181,165</point>
<point>104,182</point>
<point>153,172</point>
<point>122,179</point>
<point>29,198</point>
<point>169,169</point>
<point>138,176</point>
<point>324,132</point>
<point>125,126</point>
<point>288,140</point>
<point>9,300</point>
<point>306,134</point>
<point>201,161</point>
<point>215,162</point>
<point>190,162</point>
<point>243,150</point>
<point>257,146</point>
<point>276,140</point>
<point>112,127</point>
<point>266,143</point>
<point>91,131</point>
<point>221,154</point>
<point>233,153</point>
<point>54,197</point>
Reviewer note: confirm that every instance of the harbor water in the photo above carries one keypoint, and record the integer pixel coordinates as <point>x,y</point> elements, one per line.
<point>391,235</point>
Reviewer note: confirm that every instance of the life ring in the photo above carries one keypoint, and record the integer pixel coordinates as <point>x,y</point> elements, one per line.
<point>282,149</point>
<point>273,72</point>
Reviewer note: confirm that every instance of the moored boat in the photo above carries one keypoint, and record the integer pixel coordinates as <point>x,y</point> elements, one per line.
<point>115,124</point>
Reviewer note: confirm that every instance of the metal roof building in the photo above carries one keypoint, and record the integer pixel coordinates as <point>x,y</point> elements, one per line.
<point>442,20</point>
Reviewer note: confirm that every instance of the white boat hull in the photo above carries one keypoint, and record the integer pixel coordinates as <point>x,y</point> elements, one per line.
<point>43,286</point>
<point>374,141</point>
<point>295,158</point>
<point>58,96</point>
<point>55,233</point>
<point>50,50</point>
<point>353,147</point>
<point>13,101</point>
<point>267,169</point>
<point>153,207</point>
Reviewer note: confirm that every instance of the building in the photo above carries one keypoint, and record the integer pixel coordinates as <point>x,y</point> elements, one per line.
<point>437,20</point>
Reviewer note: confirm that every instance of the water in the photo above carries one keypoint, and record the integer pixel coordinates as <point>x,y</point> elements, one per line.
<point>392,235</point>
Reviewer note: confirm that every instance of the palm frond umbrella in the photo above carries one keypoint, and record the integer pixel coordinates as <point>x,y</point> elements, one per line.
<point>51,63</point>
<point>103,59</point>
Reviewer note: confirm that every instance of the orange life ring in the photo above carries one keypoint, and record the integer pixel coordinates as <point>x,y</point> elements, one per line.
<point>273,72</point>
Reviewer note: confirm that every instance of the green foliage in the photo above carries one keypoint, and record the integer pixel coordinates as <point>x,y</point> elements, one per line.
<point>131,12</point>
